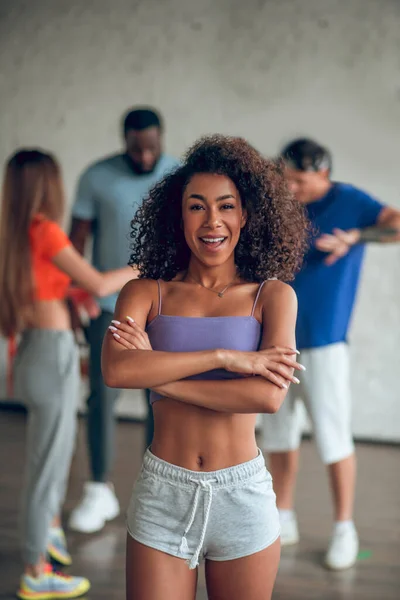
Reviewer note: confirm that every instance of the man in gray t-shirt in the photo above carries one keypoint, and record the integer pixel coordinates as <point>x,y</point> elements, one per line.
<point>109,193</point>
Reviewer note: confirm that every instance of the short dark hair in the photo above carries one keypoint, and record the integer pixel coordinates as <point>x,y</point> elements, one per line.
<point>305,154</point>
<point>271,244</point>
<point>141,118</point>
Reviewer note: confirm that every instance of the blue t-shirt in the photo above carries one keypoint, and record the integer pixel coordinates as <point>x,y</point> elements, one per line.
<point>326,294</point>
<point>109,194</point>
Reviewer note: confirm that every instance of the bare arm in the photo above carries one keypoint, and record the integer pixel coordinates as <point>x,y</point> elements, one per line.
<point>252,394</point>
<point>338,244</point>
<point>80,232</point>
<point>387,230</point>
<point>81,272</point>
<point>138,369</point>
<point>249,395</point>
<point>274,364</point>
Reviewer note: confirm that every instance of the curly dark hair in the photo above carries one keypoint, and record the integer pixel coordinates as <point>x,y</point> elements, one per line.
<point>271,244</point>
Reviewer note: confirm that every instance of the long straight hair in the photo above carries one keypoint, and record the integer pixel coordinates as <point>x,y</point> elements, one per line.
<point>32,185</point>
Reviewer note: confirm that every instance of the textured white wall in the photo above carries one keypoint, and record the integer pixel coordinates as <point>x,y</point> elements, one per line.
<point>267,70</point>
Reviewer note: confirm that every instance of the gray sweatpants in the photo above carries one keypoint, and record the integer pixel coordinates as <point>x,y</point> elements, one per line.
<point>47,381</point>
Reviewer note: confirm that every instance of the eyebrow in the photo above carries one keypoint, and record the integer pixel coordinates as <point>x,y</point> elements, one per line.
<point>219,199</point>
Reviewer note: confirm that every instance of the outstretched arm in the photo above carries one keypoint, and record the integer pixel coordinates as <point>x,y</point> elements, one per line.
<point>387,229</point>
<point>339,242</point>
<point>90,279</point>
<point>81,230</point>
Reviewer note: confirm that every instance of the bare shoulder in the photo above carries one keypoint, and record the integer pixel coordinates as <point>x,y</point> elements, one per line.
<point>136,299</point>
<point>138,287</point>
<point>278,296</point>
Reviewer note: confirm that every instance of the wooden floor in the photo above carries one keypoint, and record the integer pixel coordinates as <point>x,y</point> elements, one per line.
<point>301,577</point>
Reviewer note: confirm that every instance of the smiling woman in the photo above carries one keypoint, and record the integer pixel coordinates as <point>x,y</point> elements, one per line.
<point>271,244</point>
<point>213,220</point>
<point>208,311</point>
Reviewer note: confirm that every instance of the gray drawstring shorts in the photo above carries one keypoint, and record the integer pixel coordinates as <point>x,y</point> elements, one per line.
<point>219,515</point>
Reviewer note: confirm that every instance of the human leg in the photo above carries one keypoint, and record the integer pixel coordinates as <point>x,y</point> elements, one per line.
<point>222,516</point>
<point>284,467</point>
<point>161,505</point>
<point>71,383</point>
<point>46,376</point>
<point>249,578</point>
<point>281,437</point>
<point>242,544</point>
<point>99,503</point>
<point>155,575</point>
<point>101,404</point>
<point>342,475</point>
<point>328,402</point>
<point>45,362</point>
<point>57,545</point>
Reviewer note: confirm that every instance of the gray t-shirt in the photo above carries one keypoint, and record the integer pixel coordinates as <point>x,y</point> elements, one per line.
<point>109,194</point>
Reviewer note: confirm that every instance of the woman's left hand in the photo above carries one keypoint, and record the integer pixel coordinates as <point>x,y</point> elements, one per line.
<point>130,335</point>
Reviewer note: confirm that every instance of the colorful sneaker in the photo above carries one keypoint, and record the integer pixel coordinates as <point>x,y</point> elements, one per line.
<point>52,586</point>
<point>57,547</point>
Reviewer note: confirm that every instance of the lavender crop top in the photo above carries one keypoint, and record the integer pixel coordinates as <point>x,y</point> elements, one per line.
<point>169,333</point>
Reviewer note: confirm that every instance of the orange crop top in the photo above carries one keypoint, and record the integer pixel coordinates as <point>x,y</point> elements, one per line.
<point>46,240</point>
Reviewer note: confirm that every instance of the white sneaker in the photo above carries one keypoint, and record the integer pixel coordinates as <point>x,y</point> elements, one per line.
<point>343,549</point>
<point>99,504</point>
<point>289,530</point>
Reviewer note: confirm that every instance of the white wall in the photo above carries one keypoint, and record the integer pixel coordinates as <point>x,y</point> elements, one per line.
<point>267,70</point>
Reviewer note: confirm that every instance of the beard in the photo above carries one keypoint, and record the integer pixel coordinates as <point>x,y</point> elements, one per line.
<point>137,167</point>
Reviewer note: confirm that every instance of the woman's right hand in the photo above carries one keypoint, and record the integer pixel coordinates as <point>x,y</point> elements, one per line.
<point>275,364</point>
<point>130,335</point>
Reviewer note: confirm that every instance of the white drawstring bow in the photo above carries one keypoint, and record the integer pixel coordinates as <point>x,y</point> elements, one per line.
<point>184,547</point>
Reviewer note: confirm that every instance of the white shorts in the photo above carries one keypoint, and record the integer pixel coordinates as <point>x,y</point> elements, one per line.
<point>325,391</point>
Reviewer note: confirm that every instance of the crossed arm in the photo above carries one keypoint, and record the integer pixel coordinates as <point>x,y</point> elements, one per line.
<point>163,371</point>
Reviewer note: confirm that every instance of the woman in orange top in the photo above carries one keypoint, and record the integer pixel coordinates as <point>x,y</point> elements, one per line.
<point>37,265</point>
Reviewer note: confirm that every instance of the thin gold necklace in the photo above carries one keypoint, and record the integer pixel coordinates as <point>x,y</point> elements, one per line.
<point>219,294</point>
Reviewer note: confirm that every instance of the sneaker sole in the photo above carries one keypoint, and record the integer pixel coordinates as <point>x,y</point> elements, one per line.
<point>84,588</point>
<point>341,568</point>
<point>58,557</point>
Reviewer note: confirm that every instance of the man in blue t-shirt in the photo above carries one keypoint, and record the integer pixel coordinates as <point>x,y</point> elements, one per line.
<point>108,195</point>
<point>343,219</point>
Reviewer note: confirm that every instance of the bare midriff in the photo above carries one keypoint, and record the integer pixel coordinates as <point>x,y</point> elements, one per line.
<point>50,314</point>
<point>200,439</point>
